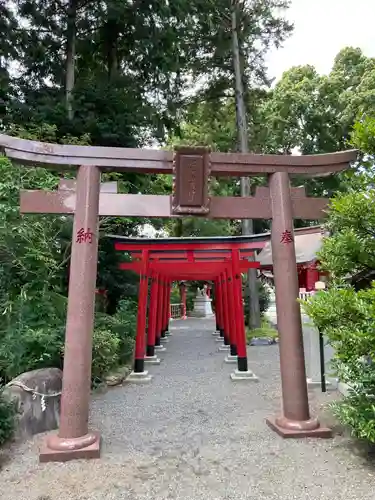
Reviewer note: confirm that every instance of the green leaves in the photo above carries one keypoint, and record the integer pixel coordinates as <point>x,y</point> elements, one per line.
<point>347,319</point>
<point>351,247</point>
<point>7,419</point>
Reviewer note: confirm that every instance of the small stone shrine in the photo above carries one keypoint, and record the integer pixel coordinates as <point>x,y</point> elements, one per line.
<point>202,305</point>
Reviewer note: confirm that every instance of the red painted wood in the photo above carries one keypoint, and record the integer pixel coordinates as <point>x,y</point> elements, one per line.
<point>240,324</point>
<point>225,308</point>
<point>151,332</point>
<point>195,268</point>
<point>159,315</point>
<point>232,307</point>
<point>142,308</point>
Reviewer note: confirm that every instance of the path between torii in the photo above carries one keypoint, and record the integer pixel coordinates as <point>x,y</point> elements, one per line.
<point>194,434</point>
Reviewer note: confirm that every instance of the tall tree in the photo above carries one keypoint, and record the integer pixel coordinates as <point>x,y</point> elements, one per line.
<point>241,120</point>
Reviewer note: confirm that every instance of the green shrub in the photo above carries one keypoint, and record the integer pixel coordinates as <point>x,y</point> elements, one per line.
<point>347,318</point>
<point>126,328</point>
<point>114,339</point>
<point>264,300</point>
<point>7,419</point>
<point>105,353</point>
<point>175,295</point>
<point>28,349</point>
<point>265,330</point>
<point>32,334</point>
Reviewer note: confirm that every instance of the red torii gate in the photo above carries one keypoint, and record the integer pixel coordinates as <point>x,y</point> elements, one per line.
<point>218,259</point>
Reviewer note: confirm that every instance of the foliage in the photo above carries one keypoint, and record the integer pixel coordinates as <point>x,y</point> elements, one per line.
<point>264,331</point>
<point>39,321</point>
<point>347,319</point>
<point>351,247</point>
<point>31,333</point>
<point>124,326</point>
<point>105,353</point>
<point>113,340</point>
<point>264,299</point>
<point>7,419</point>
<point>133,62</point>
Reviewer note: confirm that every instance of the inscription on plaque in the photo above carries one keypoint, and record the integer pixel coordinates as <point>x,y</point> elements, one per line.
<point>191,173</point>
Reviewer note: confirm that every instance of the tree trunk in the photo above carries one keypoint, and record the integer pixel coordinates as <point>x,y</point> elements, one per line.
<point>70,56</point>
<point>111,40</point>
<point>247,225</point>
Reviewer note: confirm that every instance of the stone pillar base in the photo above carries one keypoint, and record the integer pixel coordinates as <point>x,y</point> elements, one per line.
<point>69,449</point>
<point>219,339</point>
<point>139,377</point>
<point>224,347</point>
<point>319,432</point>
<point>230,359</point>
<point>152,360</point>
<point>344,389</point>
<point>215,333</point>
<point>249,375</point>
<point>160,348</point>
<point>165,339</point>
<point>317,383</point>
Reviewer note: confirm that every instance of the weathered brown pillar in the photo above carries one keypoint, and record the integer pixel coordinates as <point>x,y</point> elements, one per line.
<point>296,420</point>
<point>73,439</point>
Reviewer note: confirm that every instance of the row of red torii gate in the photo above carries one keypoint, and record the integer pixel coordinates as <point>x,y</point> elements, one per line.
<point>160,262</point>
<point>87,199</point>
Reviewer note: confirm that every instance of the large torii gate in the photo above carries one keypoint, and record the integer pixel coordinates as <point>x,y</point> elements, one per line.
<point>191,167</point>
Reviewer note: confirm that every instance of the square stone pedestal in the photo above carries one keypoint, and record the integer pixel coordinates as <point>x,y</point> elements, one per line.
<point>46,454</point>
<point>249,376</point>
<point>139,377</point>
<point>224,347</point>
<point>320,432</point>
<point>152,360</point>
<point>231,359</point>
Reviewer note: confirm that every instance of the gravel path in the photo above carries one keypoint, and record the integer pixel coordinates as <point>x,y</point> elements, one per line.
<point>193,434</point>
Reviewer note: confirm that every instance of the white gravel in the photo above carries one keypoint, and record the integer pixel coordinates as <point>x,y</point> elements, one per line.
<point>193,434</point>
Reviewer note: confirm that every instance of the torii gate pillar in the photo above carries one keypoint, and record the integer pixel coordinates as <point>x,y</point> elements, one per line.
<point>73,439</point>
<point>295,420</point>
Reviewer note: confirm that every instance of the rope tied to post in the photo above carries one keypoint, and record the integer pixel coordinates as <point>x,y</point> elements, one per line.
<point>17,383</point>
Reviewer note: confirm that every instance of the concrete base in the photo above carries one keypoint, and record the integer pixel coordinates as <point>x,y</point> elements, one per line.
<point>224,347</point>
<point>160,348</point>
<point>48,454</point>
<point>344,389</point>
<point>139,378</point>
<point>152,360</point>
<point>165,340</point>
<point>230,359</point>
<point>317,383</point>
<point>215,333</point>
<point>219,339</point>
<point>249,375</point>
<point>320,432</point>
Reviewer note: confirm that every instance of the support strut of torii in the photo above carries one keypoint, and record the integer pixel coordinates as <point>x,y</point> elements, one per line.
<point>191,167</point>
